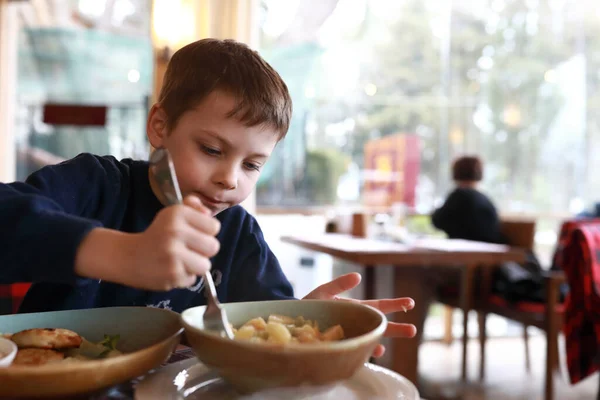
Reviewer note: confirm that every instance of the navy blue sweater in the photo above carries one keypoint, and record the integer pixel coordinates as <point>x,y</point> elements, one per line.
<point>469,214</point>
<point>43,220</point>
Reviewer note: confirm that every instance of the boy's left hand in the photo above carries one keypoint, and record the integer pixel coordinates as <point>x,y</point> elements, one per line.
<point>331,290</point>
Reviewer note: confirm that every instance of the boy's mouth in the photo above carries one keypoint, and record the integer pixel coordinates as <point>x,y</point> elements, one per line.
<point>211,203</point>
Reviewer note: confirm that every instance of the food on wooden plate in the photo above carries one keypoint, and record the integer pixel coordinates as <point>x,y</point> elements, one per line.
<point>47,338</point>
<point>40,346</point>
<point>32,356</point>
<point>281,329</point>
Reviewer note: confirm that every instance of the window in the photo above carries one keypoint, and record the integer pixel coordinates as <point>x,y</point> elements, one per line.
<point>514,81</point>
<point>82,52</point>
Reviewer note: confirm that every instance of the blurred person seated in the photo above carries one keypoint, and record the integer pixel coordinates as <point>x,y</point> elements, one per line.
<point>469,214</point>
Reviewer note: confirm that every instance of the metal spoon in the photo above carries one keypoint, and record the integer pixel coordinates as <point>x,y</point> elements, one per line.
<point>163,169</point>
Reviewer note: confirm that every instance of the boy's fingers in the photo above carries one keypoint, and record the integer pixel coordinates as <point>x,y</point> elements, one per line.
<point>379,351</point>
<point>187,281</point>
<point>193,201</point>
<point>195,264</point>
<point>202,243</point>
<point>211,225</point>
<point>339,285</point>
<point>204,223</point>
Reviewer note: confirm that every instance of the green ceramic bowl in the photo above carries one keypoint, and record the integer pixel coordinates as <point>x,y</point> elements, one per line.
<point>250,367</point>
<point>147,337</point>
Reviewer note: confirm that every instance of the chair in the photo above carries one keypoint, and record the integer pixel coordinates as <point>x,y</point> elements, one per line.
<point>355,224</point>
<point>519,233</point>
<point>550,316</point>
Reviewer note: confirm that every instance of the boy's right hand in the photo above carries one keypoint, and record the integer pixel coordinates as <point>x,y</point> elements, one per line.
<point>171,253</point>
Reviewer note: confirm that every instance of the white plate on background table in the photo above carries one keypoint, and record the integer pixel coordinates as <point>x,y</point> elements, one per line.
<point>189,379</point>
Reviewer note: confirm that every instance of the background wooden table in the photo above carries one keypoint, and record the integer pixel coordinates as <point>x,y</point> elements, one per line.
<point>411,264</point>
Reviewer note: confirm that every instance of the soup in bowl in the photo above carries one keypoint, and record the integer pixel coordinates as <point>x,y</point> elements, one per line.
<point>290,342</point>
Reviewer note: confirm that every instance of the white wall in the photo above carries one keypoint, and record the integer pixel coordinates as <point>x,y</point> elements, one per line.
<point>303,279</point>
<point>8,84</point>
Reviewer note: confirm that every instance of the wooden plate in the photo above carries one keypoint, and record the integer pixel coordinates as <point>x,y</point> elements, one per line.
<point>147,337</point>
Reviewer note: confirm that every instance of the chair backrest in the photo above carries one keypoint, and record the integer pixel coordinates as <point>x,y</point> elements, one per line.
<point>564,238</point>
<point>589,237</point>
<point>354,224</point>
<point>519,233</point>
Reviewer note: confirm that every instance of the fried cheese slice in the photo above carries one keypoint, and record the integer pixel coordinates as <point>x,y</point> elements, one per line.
<point>47,338</point>
<point>37,357</point>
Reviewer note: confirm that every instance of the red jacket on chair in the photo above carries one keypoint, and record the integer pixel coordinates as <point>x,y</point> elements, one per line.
<point>11,297</point>
<point>579,257</point>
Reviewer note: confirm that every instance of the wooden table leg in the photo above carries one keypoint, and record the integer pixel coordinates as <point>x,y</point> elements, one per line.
<point>448,314</point>
<point>410,282</point>
<point>484,292</point>
<point>369,282</point>
<point>466,300</point>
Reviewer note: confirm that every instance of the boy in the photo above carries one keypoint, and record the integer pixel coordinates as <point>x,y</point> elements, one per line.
<point>95,232</point>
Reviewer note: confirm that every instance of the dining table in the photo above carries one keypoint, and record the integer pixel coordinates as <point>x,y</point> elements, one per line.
<point>410,263</point>
<point>126,390</point>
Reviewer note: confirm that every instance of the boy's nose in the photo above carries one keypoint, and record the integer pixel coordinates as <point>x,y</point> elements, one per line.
<point>226,178</point>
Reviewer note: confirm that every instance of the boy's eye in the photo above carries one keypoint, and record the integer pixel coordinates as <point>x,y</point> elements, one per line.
<point>210,150</point>
<point>252,167</point>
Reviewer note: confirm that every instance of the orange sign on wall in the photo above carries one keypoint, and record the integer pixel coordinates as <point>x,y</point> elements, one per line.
<point>391,170</point>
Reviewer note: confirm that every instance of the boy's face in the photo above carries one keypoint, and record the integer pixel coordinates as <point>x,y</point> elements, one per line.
<point>216,157</point>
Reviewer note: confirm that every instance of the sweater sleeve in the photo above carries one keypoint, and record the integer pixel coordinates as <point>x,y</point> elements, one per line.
<point>487,228</point>
<point>43,220</point>
<point>258,275</point>
<point>444,218</point>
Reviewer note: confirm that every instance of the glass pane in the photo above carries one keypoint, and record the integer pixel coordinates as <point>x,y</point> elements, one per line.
<point>89,53</point>
<point>512,81</point>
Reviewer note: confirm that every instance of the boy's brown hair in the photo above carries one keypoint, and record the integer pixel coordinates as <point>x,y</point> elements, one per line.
<point>467,168</point>
<point>201,67</point>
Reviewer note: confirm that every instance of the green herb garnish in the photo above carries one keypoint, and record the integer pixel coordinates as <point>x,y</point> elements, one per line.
<point>110,343</point>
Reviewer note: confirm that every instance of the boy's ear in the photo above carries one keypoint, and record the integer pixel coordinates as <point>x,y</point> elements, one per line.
<point>156,127</point>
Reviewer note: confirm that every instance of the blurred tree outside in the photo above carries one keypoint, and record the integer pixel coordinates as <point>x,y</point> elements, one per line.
<point>514,81</point>
<point>324,167</point>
